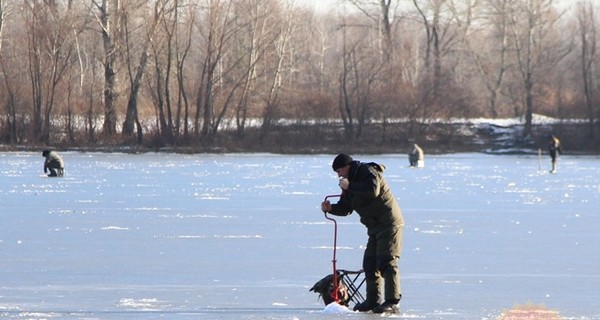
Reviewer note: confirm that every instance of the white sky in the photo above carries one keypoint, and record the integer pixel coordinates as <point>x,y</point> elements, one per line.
<point>321,5</point>
<point>326,5</point>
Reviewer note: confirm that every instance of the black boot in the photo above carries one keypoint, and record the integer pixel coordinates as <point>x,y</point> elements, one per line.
<point>387,307</point>
<point>366,306</point>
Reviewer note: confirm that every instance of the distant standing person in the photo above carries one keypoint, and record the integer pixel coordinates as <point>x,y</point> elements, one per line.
<point>416,157</point>
<point>554,148</point>
<point>54,162</point>
<point>365,191</point>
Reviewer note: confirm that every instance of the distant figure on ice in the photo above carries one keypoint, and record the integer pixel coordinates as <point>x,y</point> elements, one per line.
<point>365,191</point>
<point>554,148</point>
<point>54,163</point>
<point>416,157</point>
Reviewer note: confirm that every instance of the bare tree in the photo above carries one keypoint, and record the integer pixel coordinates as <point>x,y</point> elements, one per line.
<point>2,19</point>
<point>163,51</point>
<point>11,108</point>
<point>381,12</point>
<point>491,67</point>
<point>136,73</point>
<point>170,48</point>
<point>269,59</point>
<point>91,91</point>
<point>358,79</point>
<point>262,43</point>
<point>537,46</point>
<point>107,13</point>
<point>50,52</point>
<point>586,19</point>
<point>273,82</point>
<point>430,13</point>
<point>218,29</point>
<point>182,51</point>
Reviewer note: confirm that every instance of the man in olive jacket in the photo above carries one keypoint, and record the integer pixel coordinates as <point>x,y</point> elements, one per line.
<point>365,191</point>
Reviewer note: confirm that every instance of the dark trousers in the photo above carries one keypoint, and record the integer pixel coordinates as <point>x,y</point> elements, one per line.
<point>380,264</point>
<point>56,171</point>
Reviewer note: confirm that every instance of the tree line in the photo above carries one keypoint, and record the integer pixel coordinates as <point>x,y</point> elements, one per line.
<point>178,72</point>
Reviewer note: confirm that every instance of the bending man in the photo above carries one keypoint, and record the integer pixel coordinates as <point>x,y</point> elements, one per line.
<point>365,191</point>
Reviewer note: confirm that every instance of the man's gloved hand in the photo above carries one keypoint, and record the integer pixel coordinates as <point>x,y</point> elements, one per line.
<point>344,183</point>
<point>326,206</point>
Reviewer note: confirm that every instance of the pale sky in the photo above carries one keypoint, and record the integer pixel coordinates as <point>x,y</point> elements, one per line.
<point>321,5</point>
<point>326,5</point>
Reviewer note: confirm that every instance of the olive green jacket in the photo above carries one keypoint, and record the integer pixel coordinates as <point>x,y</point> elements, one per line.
<point>370,196</point>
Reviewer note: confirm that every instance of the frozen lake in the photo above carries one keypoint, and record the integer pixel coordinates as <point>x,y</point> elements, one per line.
<point>241,236</point>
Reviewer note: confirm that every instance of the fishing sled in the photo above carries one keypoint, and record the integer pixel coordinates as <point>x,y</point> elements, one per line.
<point>341,286</point>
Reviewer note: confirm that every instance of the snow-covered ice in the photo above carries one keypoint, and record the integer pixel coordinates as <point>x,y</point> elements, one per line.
<point>240,236</point>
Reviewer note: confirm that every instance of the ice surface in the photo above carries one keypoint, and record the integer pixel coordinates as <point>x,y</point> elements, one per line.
<point>240,236</point>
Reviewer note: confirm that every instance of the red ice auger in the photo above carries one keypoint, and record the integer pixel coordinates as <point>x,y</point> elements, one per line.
<point>337,287</point>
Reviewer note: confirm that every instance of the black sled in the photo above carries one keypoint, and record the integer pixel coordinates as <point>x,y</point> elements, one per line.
<point>348,286</point>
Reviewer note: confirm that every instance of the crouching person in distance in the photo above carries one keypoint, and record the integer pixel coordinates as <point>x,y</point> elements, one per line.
<point>416,157</point>
<point>365,191</point>
<point>54,163</point>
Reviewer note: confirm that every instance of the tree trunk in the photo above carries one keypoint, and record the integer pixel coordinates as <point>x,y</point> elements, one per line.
<point>109,126</point>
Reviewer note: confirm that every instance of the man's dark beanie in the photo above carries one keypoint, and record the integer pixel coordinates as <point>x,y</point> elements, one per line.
<point>340,161</point>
